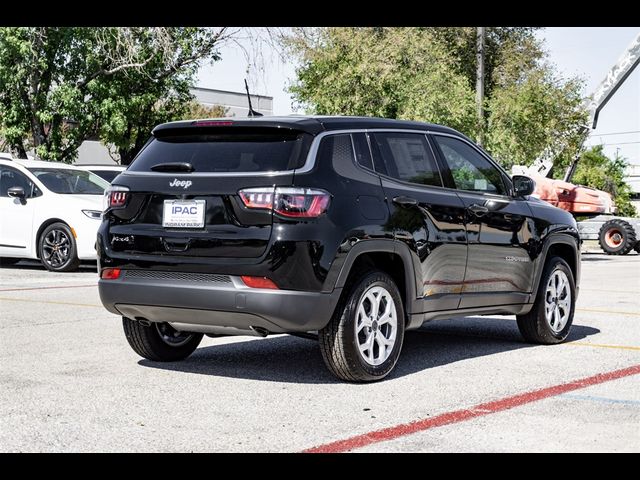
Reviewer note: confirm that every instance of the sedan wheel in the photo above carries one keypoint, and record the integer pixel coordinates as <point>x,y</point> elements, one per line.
<point>57,248</point>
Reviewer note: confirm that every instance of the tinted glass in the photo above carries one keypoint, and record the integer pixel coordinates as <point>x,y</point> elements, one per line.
<point>69,181</point>
<point>336,149</point>
<point>361,147</point>
<point>407,157</point>
<point>107,175</point>
<point>12,178</point>
<point>227,152</point>
<point>470,170</point>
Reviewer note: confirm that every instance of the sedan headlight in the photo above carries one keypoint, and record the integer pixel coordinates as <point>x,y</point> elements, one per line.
<point>93,214</point>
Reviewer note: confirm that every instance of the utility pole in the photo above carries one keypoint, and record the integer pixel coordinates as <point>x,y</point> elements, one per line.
<point>480,34</point>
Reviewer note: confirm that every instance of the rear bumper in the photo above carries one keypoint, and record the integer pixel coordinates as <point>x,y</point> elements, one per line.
<point>225,307</point>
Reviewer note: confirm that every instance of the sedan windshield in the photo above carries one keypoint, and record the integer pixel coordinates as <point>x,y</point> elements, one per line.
<point>107,175</point>
<point>70,181</point>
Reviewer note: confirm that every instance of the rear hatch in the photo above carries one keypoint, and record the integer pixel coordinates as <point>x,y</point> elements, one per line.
<point>182,197</point>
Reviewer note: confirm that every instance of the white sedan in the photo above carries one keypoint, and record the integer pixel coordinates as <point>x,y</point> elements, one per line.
<point>106,172</point>
<point>48,211</point>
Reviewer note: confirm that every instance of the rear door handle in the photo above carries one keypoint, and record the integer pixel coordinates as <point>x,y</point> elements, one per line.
<point>405,201</point>
<point>478,210</point>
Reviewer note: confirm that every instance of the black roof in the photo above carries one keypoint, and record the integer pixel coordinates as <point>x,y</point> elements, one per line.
<point>310,124</point>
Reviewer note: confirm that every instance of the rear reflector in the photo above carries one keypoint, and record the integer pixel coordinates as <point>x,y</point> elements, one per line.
<point>110,273</point>
<point>258,282</point>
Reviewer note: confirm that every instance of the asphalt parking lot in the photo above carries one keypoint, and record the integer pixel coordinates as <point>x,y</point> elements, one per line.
<point>70,382</point>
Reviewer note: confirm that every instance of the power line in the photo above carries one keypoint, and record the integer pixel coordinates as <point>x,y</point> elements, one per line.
<point>619,143</point>
<point>614,133</point>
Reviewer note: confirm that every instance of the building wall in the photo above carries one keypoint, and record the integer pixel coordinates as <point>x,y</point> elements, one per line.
<point>633,178</point>
<point>93,152</point>
<point>236,102</point>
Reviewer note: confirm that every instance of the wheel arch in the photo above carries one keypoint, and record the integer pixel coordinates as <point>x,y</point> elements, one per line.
<point>389,256</point>
<point>43,226</point>
<point>560,245</point>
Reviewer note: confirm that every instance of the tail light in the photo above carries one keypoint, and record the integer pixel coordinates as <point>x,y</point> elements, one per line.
<point>115,197</point>
<point>257,197</point>
<point>288,202</point>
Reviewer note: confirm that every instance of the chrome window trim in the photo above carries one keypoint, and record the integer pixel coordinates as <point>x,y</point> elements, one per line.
<point>310,161</point>
<point>311,157</point>
<point>353,149</point>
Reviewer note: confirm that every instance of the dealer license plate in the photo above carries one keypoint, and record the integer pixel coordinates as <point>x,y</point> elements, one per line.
<point>183,213</point>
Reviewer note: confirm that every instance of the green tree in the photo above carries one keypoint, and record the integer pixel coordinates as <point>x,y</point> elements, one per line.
<point>428,74</point>
<point>40,94</point>
<point>62,85</point>
<point>196,111</point>
<point>596,170</point>
<point>508,53</point>
<point>385,72</point>
<point>536,113</point>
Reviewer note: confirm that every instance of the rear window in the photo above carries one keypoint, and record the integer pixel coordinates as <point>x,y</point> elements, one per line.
<point>227,152</point>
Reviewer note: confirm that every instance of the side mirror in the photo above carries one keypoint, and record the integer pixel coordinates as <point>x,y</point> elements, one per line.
<point>523,186</point>
<point>16,192</point>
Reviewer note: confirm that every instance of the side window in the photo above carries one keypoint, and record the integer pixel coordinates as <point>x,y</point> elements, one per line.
<point>13,178</point>
<point>470,170</point>
<point>405,156</point>
<point>336,148</point>
<point>361,147</point>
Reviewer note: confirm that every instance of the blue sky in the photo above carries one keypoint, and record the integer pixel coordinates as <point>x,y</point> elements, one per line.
<point>588,52</point>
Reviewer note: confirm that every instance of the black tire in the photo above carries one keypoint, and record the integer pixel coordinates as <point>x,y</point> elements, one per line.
<point>57,248</point>
<point>637,247</point>
<point>339,340</point>
<point>7,261</point>
<point>148,341</point>
<point>617,237</point>
<point>534,326</point>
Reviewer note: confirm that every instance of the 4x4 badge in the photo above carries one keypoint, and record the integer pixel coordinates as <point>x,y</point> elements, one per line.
<point>181,183</point>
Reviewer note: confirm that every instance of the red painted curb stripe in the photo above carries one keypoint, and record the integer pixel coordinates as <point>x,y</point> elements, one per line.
<point>467,414</point>
<point>46,288</point>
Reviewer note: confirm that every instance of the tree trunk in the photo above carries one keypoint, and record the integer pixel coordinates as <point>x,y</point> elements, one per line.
<point>21,151</point>
<point>481,31</point>
<point>37,132</point>
<point>125,156</point>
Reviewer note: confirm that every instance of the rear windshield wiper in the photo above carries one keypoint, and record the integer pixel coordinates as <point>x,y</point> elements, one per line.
<point>173,167</point>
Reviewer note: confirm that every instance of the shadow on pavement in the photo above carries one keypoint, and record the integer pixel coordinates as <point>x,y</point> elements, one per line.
<point>586,258</point>
<point>295,360</point>
<point>85,266</point>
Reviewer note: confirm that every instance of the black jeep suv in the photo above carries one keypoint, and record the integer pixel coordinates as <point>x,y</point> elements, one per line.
<point>351,229</point>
